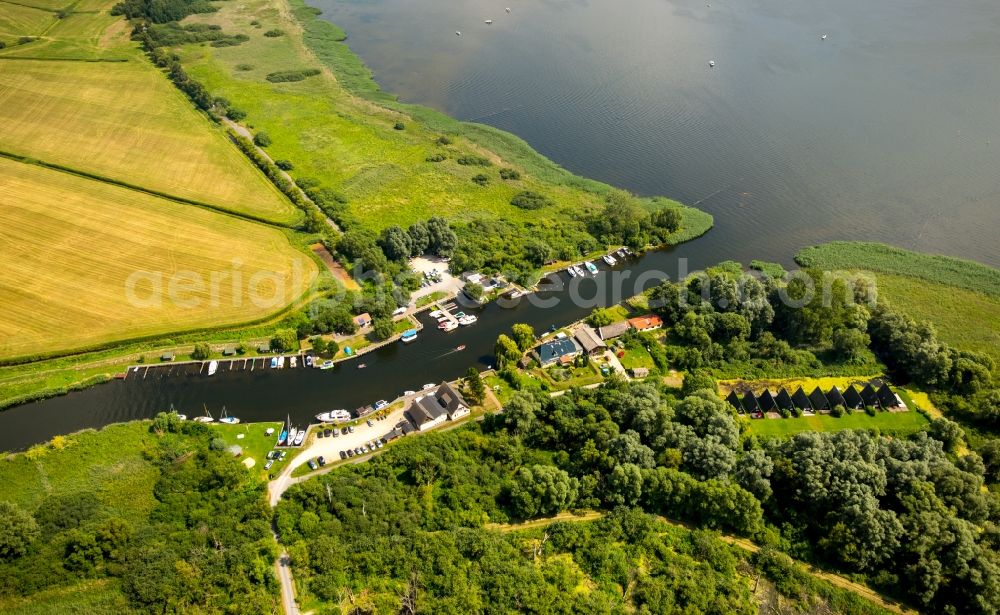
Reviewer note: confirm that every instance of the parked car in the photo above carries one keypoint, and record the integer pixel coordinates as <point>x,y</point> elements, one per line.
<point>350,429</point>
<point>322,461</point>
<point>283,454</point>
<point>343,455</point>
<point>336,433</point>
<point>344,431</point>
<point>312,464</point>
<point>319,433</point>
<point>350,453</point>
<point>378,443</point>
<point>267,466</point>
<point>327,432</point>
<point>370,423</point>
<point>273,454</point>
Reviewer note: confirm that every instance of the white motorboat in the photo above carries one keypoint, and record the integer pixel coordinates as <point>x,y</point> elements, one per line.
<point>429,385</point>
<point>292,361</point>
<point>299,437</point>
<point>711,63</point>
<point>571,271</point>
<point>467,320</point>
<point>610,260</point>
<point>489,22</point>
<point>591,267</point>
<point>281,362</point>
<point>213,366</point>
<point>226,419</point>
<point>334,416</point>
<point>449,326</point>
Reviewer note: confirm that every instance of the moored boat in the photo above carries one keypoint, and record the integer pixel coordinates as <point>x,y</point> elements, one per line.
<point>281,362</point>
<point>591,267</point>
<point>299,437</point>
<point>292,361</point>
<point>334,416</point>
<point>448,326</point>
<point>610,260</point>
<point>460,347</point>
<point>328,364</point>
<point>409,336</point>
<point>226,419</point>
<point>571,271</point>
<point>213,366</point>
<point>468,319</point>
<point>274,362</point>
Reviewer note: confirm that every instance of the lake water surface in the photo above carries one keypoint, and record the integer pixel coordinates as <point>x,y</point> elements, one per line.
<point>888,130</point>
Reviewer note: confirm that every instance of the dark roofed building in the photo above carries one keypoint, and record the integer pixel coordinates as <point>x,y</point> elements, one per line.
<point>852,399</point>
<point>835,398</point>
<point>870,396</point>
<point>784,400</point>
<point>734,401</point>
<point>430,410</point>
<point>551,352</point>
<point>588,339</point>
<point>615,329</point>
<point>886,397</point>
<point>766,401</point>
<point>801,400</point>
<point>818,400</point>
<point>750,403</point>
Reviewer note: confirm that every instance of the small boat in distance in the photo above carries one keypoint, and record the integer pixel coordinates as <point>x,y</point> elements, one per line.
<point>822,38</point>
<point>489,22</point>
<point>507,9</point>
<point>206,418</point>
<point>571,271</point>
<point>711,63</point>
<point>292,361</point>
<point>213,366</point>
<point>610,260</point>
<point>281,362</point>
<point>429,385</point>
<point>327,364</point>
<point>591,267</point>
<point>228,420</point>
<point>460,348</point>
<point>274,362</point>
<point>362,366</point>
<point>467,320</point>
<point>409,336</point>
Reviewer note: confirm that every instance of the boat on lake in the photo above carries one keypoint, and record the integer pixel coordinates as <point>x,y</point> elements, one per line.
<point>591,267</point>
<point>274,362</point>
<point>226,419</point>
<point>571,271</point>
<point>299,437</point>
<point>281,362</point>
<point>460,348</point>
<point>578,270</point>
<point>409,336</point>
<point>282,437</point>
<point>467,320</point>
<point>448,326</point>
<point>362,366</point>
<point>334,416</point>
<point>213,366</point>
<point>292,361</point>
<point>328,364</point>
<point>429,385</point>
<point>489,22</point>
<point>206,418</point>
<point>610,260</point>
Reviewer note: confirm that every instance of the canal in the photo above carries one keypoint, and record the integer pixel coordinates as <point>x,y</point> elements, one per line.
<point>268,395</point>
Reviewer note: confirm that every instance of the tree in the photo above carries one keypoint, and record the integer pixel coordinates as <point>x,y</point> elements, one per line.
<point>442,240</point>
<point>284,340</point>
<point>201,351</point>
<point>667,219</point>
<point>420,238</point>
<point>506,351</point>
<point>624,485</point>
<point>628,448</point>
<point>600,317</point>
<point>262,139</point>
<point>947,432</point>
<point>396,243</point>
<point>524,335</point>
<point>476,390</point>
<point>474,290</point>
<point>519,414</point>
<point>697,380</point>
<point>18,530</point>
<point>753,471</point>
<point>542,490</point>
<point>850,344</point>
<point>382,328</point>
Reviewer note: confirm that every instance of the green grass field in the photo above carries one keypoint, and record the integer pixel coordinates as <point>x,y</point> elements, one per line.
<point>18,20</point>
<point>74,243</point>
<point>882,258</point>
<point>96,597</point>
<point>898,423</point>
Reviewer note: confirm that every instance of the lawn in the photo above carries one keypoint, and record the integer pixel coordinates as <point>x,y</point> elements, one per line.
<point>637,356</point>
<point>18,20</point>
<point>255,444</point>
<point>897,423</point>
<point>71,245</point>
<point>575,376</point>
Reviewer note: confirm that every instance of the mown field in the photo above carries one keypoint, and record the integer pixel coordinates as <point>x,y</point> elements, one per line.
<point>72,243</point>
<point>124,121</point>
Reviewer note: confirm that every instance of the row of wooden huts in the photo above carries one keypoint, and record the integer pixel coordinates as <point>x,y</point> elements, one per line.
<point>874,394</point>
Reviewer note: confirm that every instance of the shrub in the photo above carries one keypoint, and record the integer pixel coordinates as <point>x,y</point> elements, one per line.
<point>443,140</point>
<point>473,161</point>
<point>785,413</point>
<point>284,76</point>
<point>235,114</point>
<point>261,139</point>
<point>274,33</point>
<point>24,40</point>
<point>530,200</point>
<point>2,44</point>
<point>510,174</point>
<point>481,179</point>
<point>254,23</point>
<point>870,410</point>
<point>307,182</point>
<point>399,126</point>
<point>201,351</point>
<point>436,158</point>
<point>796,411</point>
<point>285,165</point>
<point>837,411</point>
<point>244,67</point>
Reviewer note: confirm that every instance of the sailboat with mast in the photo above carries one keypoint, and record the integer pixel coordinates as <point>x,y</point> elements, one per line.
<point>226,419</point>
<point>206,418</point>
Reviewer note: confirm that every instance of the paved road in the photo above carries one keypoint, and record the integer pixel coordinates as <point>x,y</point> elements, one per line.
<point>283,569</point>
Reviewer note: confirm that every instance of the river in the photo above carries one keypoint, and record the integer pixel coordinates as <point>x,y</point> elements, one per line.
<point>886,130</point>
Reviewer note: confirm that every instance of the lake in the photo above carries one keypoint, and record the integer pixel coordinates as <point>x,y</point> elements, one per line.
<point>888,130</point>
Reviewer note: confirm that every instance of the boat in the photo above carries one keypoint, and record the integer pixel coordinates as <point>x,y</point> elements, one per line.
<point>274,362</point>
<point>467,320</point>
<point>711,63</point>
<point>579,270</point>
<point>408,393</point>
<point>213,366</point>
<point>282,436</point>
<point>823,38</point>
<point>571,271</point>
<point>182,417</point>
<point>309,360</point>
<point>436,314</point>
<point>610,260</point>
<point>299,437</point>
<point>457,33</point>
<point>459,314</point>
<point>281,362</point>
<point>429,385</point>
<point>410,335</point>
<point>328,364</point>
<point>489,22</point>
<point>292,361</point>
<point>362,366</point>
<point>226,419</point>
<point>460,348</point>
<point>507,9</point>
<point>206,418</point>
<point>334,416</point>
<point>591,267</point>
<point>448,326</point>
<point>291,435</point>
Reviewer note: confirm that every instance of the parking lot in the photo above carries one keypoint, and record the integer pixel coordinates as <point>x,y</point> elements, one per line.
<point>330,447</point>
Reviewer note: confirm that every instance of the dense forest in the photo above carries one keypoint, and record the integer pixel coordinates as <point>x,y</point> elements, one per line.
<point>205,545</point>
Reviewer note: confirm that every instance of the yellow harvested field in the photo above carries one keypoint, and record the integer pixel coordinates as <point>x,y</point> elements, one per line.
<point>18,20</point>
<point>125,121</point>
<point>82,260</point>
